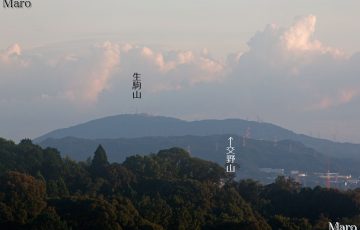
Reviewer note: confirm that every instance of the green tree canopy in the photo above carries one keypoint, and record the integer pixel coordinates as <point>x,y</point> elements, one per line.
<point>22,197</point>
<point>100,157</point>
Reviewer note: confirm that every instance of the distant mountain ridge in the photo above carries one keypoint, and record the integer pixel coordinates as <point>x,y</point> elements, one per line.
<point>142,125</point>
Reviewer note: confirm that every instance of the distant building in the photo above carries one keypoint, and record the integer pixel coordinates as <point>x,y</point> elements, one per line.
<point>272,170</point>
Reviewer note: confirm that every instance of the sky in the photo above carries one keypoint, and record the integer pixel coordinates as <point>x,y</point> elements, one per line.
<point>291,63</point>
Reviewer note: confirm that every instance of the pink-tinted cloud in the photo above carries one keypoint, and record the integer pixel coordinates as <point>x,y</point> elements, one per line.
<point>342,97</point>
<point>84,73</point>
<point>14,50</point>
<point>173,70</point>
<point>94,79</point>
<point>300,37</point>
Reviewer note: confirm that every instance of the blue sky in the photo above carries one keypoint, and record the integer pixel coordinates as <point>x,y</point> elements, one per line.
<point>292,63</point>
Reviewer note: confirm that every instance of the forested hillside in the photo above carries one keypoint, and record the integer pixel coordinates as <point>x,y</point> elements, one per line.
<point>169,190</point>
<point>256,154</point>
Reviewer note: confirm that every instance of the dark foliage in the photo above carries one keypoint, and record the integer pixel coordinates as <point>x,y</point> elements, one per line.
<point>167,190</point>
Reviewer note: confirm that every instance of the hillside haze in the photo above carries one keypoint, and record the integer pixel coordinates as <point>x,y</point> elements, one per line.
<point>142,125</point>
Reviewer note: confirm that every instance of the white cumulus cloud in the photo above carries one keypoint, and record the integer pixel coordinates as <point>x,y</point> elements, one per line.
<point>291,60</point>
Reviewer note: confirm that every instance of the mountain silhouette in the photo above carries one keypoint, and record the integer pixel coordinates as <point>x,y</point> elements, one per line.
<point>143,125</point>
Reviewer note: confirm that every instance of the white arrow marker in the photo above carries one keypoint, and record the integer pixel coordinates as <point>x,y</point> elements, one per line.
<point>230,139</point>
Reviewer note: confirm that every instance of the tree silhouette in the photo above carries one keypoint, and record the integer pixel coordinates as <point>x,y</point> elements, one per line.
<point>100,157</point>
<point>99,162</point>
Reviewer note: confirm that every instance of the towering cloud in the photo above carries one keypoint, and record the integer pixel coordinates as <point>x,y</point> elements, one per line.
<point>291,60</point>
<point>94,76</point>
